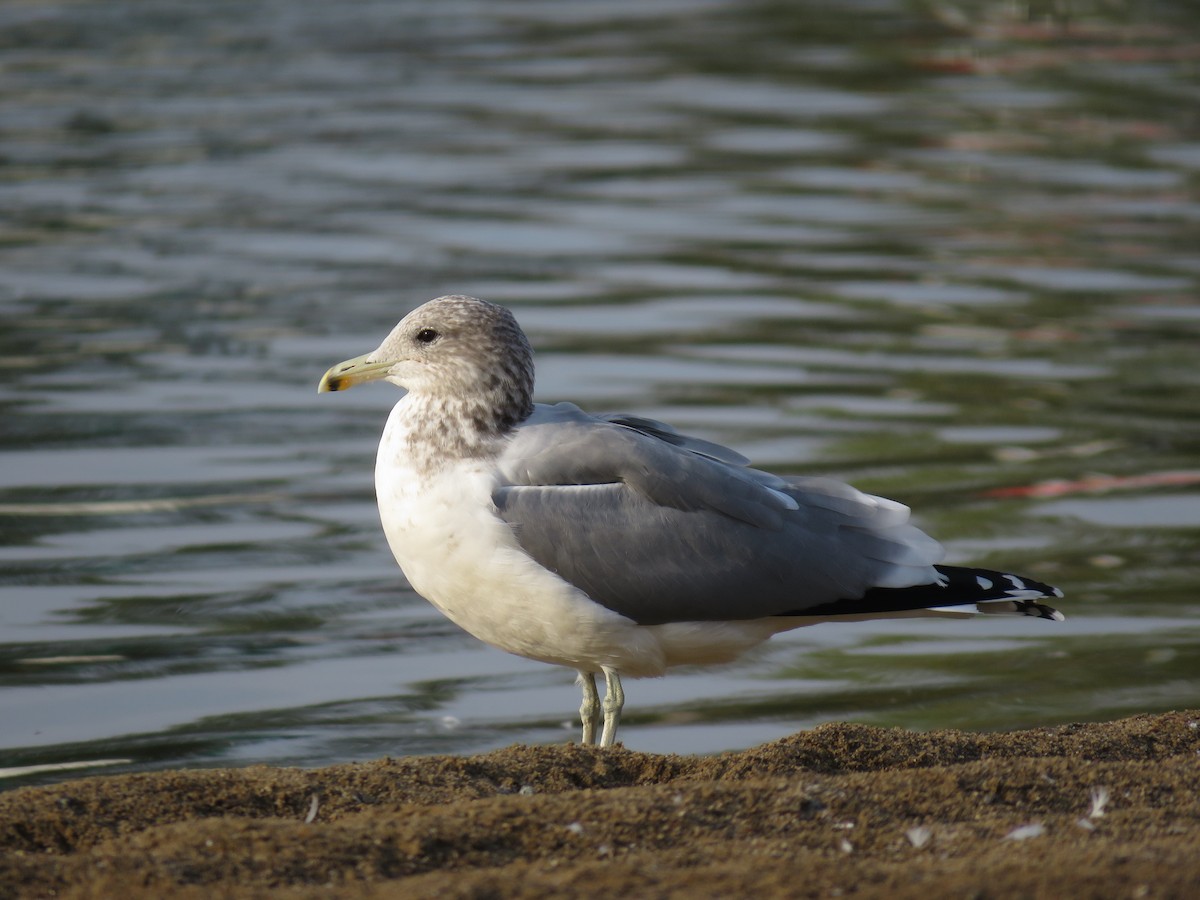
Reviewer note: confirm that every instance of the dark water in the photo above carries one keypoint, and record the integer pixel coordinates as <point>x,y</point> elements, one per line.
<point>941,251</point>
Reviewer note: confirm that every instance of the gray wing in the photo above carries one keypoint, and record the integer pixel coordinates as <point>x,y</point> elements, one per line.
<point>665,432</point>
<point>661,527</point>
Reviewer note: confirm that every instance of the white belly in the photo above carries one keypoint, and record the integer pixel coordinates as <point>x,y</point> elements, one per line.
<point>461,557</point>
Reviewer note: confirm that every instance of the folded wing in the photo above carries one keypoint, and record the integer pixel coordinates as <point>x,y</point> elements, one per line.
<point>661,527</point>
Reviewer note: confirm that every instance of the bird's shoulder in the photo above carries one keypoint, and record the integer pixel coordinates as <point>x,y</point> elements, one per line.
<point>561,445</point>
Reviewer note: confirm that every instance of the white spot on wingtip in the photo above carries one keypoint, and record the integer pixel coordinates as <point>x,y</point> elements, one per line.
<point>1027,594</point>
<point>984,583</point>
<point>1016,582</point>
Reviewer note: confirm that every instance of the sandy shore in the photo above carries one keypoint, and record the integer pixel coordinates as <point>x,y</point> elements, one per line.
<point>1098,810</point>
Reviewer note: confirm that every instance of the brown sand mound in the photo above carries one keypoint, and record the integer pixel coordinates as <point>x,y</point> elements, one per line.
<point>1103,810</point>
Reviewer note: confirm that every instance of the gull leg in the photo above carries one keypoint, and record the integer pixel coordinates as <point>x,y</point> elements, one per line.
<point>589,711</point>
<point>614,699</point>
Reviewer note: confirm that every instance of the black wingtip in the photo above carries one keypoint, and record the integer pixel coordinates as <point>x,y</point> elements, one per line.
<point>1041,610</point>
<point>975,590</point>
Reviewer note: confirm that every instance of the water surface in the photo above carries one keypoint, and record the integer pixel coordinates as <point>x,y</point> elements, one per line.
<point>951,259</point>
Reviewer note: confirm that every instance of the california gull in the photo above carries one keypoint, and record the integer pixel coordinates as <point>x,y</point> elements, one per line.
<point>612,543</point>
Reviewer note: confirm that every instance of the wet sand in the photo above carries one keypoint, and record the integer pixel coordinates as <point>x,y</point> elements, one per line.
<point>1095,810</point>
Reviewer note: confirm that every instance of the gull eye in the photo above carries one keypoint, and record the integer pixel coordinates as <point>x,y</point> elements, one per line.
<point>427,336</point>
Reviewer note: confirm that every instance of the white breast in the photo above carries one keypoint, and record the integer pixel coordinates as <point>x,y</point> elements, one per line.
<point>462,558</point>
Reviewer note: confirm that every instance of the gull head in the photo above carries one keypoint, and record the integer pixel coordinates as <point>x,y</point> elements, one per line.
<point>451,350</point>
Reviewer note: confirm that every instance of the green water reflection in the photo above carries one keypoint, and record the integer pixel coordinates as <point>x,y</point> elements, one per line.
<point>946,251</point>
